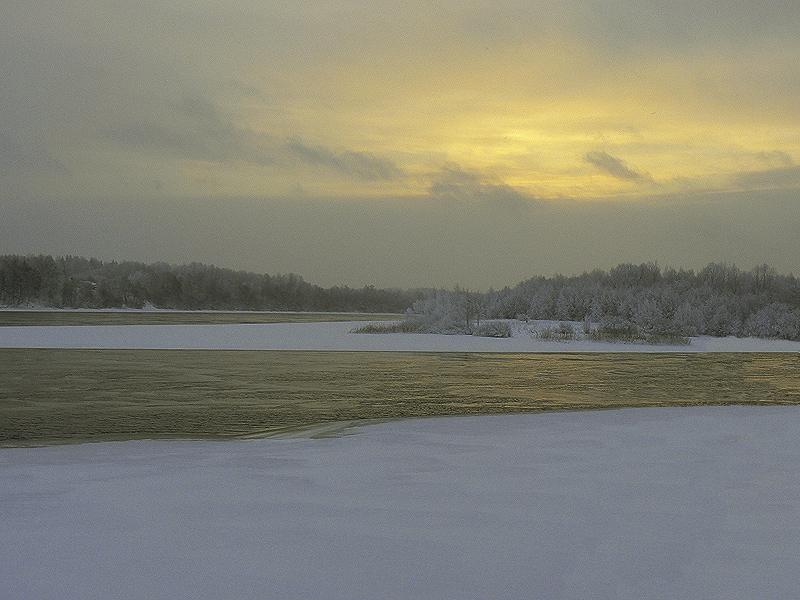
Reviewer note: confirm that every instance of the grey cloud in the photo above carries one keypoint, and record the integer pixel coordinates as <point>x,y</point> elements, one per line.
<point>683,25</point>
<point>776,156</point>
<point>150,136</point>
<point>361,165</point>
<point>192,128</point>
<point>779,178</point>
<point>629,25</point>
<point>247,91</point>
<point>15,157</point>
<point>200,108</point>
<point>455,183</point>
<point>612,165</point>
<point>195,128</point>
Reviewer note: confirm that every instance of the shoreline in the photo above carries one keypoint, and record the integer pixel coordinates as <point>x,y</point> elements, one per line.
<point>337,335</point>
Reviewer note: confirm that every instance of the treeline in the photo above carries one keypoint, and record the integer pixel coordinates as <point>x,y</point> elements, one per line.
<point>76,282</point>
<point>719,300</point>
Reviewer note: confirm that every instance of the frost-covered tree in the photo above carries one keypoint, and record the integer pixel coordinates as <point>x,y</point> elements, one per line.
<point>542,301</point>
<point>688,319</point>
<point>776,320</point>
<point>720,318</point>
<point>80,282</point>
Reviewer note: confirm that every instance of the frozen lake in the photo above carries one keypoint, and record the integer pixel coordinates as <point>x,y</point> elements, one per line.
<point>636,503</point>
<point>334,336</point>
<point>52,395</point>
<point>657,503</point>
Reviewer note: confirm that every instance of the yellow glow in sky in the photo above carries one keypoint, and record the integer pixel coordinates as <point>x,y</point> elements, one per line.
<point>532,118</point>
<point>414,104</point>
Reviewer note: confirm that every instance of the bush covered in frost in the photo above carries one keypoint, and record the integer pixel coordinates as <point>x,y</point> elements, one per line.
<point>495,329</point>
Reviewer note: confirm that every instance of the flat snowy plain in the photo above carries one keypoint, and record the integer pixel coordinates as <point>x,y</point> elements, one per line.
<point>635,503</point>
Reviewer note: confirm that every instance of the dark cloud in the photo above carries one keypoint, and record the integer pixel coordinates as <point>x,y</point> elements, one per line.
<point>779,178</point>
<point>149,136</point>
<point>201,109</point>
<point>455,183</point>
<point>361,165</point>
<point>612,165</point>
<point>247,91</point>
<point>191,128</point>
<point>16,157</point>
<point>195,128</point>
<point>776,156</point>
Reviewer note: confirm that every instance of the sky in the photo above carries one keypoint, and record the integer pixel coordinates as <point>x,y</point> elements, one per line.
<point>402,143</point>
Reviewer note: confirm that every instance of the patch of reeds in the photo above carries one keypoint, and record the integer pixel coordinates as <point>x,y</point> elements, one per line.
<point>495,329</point>
<point>407,326</point>
<point>632,335</point>
<point>565,331</point>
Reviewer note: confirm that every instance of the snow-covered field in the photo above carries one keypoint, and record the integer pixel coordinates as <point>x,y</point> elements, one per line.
<point>670,503</point>
<point>336,336</point>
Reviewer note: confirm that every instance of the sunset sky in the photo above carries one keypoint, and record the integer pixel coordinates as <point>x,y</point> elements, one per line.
<point>401,143</point>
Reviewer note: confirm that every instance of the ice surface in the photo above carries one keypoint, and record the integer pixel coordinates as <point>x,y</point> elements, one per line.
<point>637,503</point>
<point>667,503</point>
<point>335,336</point>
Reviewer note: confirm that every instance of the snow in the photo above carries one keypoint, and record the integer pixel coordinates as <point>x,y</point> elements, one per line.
<point>668,503</point>
<point>650,503</point>
<point>336,336</point>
